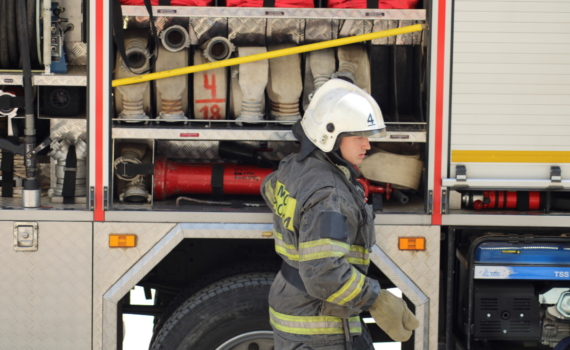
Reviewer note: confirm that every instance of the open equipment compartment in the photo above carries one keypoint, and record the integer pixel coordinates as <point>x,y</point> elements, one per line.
<point>59,85</point>
<point>209,112</point>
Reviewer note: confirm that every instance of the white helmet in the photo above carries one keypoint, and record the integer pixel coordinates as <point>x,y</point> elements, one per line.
<point>341,107</point>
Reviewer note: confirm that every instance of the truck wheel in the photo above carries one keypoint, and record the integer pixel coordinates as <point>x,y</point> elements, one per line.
<point>230,314</point>
<point>254,266</point>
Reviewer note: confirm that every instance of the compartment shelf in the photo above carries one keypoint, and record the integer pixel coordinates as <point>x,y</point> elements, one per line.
<point>15,203</point>
<point>263,12</point>
<point>76,76</point>
<point>228,130</point>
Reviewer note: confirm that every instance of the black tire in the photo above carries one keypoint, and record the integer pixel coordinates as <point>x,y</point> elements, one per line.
<point>13,47</point>
<point>225,314</point>
<point>215,276</point>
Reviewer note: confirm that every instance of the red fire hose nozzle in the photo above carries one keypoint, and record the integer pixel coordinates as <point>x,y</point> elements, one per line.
<point>388,190</point>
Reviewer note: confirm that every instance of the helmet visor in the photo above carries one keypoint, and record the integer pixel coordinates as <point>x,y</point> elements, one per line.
<point>368,133</point>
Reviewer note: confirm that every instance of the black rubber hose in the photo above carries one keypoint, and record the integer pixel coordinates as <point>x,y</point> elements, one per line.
<point>400,196</point>
<point>25,53</point>
<point>31,14</point>
<point>12,34</point>
<point>29,132</point>
<point>4,58</point>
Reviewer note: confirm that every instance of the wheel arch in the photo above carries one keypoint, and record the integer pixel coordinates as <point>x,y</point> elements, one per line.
<point>226,234</point>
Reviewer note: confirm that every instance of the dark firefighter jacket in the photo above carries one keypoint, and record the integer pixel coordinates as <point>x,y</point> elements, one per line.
<point>323,232</point>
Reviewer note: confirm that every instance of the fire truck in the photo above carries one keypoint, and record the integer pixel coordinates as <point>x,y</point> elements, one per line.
<point>135,137</point>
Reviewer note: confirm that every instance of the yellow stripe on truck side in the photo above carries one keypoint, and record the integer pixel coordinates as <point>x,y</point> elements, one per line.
<point>458,156</point>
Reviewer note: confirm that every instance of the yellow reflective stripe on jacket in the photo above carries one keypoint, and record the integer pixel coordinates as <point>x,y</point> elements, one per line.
<point>312,325</point>
<point>322,248</point>
<point>326,248</point>
<point>349,290</point>
<point>358,255</point>
<point>287,250</point>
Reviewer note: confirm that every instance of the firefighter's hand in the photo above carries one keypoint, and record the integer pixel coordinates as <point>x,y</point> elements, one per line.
<point>393,316</point>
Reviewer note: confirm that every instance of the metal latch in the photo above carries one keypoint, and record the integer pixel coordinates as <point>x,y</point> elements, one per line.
<point>430,202</point>
<point>25,236</point>
<point>555,174</point>
<point>460,173</point>
<point>444,202</point>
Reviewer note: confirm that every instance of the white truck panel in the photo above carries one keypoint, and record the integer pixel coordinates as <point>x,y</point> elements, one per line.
<point>511,89</point>
<point>535,111</point>
<point>510,12</point>
<point>510,68</point>
<point>489,79</point>
<point>506,47</point>
<point>477,119</point>
<point>513,9</point>
<point>493,27</point>
<point>515,171</point>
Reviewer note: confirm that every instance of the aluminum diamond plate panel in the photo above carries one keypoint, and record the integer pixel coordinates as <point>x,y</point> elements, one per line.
<point>275,13</point>
<point>360,27</point>
<point>197,151</point>
<point>139,21</point>
<point>110,264</point>
<point>422,267</point>
<point>61,127</point>
<point>164,22</point>
<point>45,205</point>
<point>45,296</point>
<point>285,31</point>
<point>401,136</point>
<point>320,30</point>
<point>154,255</point>
<point>11,79</point>
<point>247,31</point>
<point>207,151</point>
<point>404,39</point>
<point>237,134</point>
<point>161,22</point>
<point>75,76</point>
<point>384,25</point>
<point>76,53</point>
<point>207,28</point>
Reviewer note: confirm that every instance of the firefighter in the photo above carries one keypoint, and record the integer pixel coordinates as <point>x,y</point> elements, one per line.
<point>324,231</point>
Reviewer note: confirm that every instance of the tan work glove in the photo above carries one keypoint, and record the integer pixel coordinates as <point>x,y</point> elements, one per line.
<point>393,316</point>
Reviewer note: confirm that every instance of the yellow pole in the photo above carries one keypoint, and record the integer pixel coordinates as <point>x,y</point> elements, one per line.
<point>268,55</point>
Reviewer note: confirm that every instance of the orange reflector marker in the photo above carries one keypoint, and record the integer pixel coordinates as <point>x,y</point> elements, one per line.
<point>412,243</point>
<point>122,241</point>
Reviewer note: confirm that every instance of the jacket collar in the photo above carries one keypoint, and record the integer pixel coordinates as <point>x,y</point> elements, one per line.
<point>307,147</point>
<point>337,160</point>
